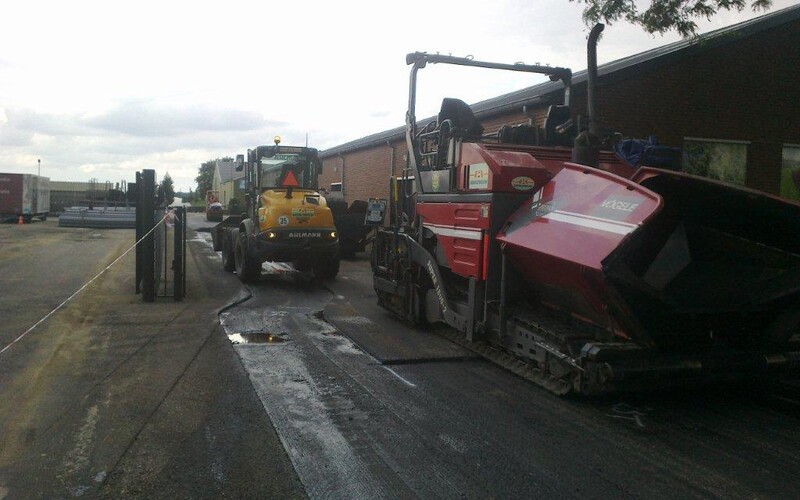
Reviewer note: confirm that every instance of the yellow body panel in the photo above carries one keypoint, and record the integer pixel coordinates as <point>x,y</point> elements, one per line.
<point>276,211</point>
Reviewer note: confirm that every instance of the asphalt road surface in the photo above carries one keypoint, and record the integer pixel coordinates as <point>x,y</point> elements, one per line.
<point>386,411</point>
<point>111,397</point>
<point>291,388</point>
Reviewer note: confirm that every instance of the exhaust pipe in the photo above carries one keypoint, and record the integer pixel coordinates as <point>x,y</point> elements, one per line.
<point>586,149</point>
<point>591,58</point>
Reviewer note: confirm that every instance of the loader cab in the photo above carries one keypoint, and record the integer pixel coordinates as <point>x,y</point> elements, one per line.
<point>280,167</point>
<point>283,168</point>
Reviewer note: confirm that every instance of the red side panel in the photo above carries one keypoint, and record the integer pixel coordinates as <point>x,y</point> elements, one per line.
<point>459,231</point>
<point>482,169</point>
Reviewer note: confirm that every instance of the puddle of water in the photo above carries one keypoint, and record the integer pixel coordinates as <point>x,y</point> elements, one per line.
<point>256,338</point>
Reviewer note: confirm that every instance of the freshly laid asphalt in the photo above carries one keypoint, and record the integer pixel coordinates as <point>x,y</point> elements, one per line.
<point>113,397</point>
<point>307,389</point>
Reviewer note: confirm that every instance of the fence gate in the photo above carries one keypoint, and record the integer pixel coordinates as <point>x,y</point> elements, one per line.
<point>161,237</point>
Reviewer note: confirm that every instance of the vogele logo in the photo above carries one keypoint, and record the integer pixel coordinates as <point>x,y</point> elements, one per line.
<point>523,183</point>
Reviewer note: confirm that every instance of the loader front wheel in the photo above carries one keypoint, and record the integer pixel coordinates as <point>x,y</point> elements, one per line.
<point>302,265</point>
<point>248,267</point>
<point>327,269</point>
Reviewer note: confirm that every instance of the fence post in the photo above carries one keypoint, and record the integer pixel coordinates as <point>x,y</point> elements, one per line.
<point>178,250</point>
<point>147,200</point>
<point>139,231</point>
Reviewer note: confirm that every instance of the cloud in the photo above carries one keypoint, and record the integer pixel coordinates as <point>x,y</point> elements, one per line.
<point>9,136</point>
<point>380,114</point>
<point>96,97</point>
<point>131,136</point>
<point>33,122</point>
<point>150,120</point>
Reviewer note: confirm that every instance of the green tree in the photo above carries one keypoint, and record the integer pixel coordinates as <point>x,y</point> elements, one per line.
<point>663,15</point>
<point>205,176</point>
<point>169,189</point>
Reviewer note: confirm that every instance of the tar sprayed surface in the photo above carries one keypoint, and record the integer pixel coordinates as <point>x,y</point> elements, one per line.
<point>280,337</point>
<point>301,400</point>
<point>462,428</point>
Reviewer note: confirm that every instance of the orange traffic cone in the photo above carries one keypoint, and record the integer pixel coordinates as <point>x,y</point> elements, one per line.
<point>21,220</point>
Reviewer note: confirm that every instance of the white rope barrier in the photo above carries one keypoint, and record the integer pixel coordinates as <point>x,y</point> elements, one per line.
<point>79,290</point>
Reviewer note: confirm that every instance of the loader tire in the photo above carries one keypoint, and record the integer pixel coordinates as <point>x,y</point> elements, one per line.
<point>228,253</point>
<point>327,269</point>
<point>248,267</point>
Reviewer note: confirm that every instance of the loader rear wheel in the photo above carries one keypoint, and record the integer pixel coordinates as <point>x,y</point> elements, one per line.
<point>228,253</point>
<point>327,269</point>
<point>248,267</point>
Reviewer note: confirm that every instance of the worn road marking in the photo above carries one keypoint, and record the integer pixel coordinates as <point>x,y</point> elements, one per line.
<point>410,384</point>
<point>78,458</point>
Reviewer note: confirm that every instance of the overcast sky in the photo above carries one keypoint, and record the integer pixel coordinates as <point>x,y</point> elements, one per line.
<point>101,89</point>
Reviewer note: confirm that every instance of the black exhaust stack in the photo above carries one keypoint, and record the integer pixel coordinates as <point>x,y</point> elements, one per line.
<point>586,150</point>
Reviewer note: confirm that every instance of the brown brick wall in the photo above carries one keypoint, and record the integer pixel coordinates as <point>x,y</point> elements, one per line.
<point>331,172</point>
<point>366,172</point>
<point>746,90</point>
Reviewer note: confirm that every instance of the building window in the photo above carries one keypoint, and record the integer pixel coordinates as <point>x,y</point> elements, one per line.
<point>790,172</point>
<point>716,159</point>
<point>336,187</point>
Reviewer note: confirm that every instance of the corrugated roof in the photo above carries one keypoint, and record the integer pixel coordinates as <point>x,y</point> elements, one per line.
<point>645,60</point>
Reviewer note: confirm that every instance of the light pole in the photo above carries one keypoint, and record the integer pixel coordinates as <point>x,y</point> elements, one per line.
<point>40,167</point>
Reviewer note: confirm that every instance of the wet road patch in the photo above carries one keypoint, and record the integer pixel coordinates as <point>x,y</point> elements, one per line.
<point>256,338</point>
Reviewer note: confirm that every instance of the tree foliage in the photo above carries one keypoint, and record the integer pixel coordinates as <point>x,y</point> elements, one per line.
<point>663,15</point>
<point>169,188</point>
<point>205,176</point>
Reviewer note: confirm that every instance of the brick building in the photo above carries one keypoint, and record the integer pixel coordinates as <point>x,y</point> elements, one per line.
<point>730,99</point>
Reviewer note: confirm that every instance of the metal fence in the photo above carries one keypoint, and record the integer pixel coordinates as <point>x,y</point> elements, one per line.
<point>160,253</point>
